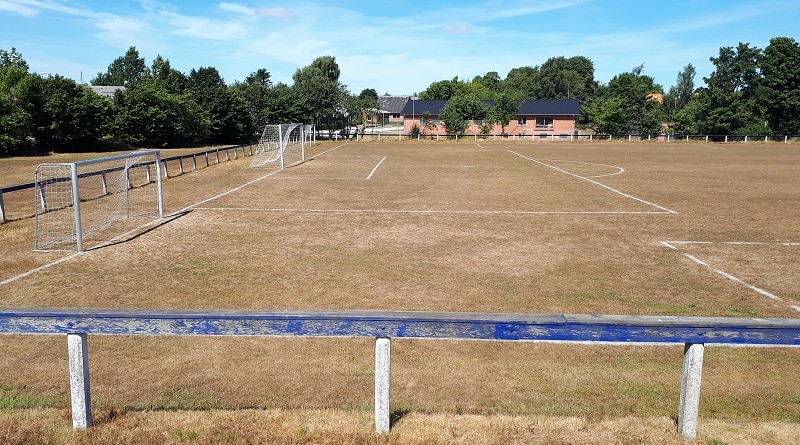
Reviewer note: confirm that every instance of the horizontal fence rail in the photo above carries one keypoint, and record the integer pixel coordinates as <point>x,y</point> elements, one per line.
<point>572,137</point>
<point>692,332</point>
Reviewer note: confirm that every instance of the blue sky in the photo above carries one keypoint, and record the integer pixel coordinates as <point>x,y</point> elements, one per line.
<point>397,47</point>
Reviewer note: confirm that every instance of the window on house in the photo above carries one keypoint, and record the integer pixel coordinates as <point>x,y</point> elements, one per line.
<point>544,122</point>
<point>477,122</point>
<point>522,120</point>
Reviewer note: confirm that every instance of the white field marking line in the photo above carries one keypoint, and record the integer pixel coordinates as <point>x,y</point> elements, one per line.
<point>39,269</point>
<point>620,170</point>
<point>735,243</point>
<point>236,189</point>
<point>69,257</point>
<point>749,286</point>
<point>330,150</point>
<point>310,178</point>
<point>671,245</point>
<point>443,212</point>
<point>375,169</point>
<point>597,183</point>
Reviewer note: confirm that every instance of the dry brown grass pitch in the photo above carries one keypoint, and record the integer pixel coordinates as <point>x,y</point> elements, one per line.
<point>616,228</point>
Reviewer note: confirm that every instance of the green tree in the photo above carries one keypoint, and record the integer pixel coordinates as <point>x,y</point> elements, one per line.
<point>444,90</point>
<point>284,104</point>
<point>163,75</point>
<point>16,122</point>
<point>328,67</point>
<point>459,110</point>
<point>778,93</point>
<point>681,93</point>
<point>625,105</point>
<point>506,107</point>
<point>363,107</point>
<point>12,59</point>
<point>607,115</point>
<point>727,105</point>
<point>150,116</point>
<point>227,110</point>
<point>322,93</point>
<point>255,89</point>
<point>127,70</point>
<point>566,78</point>
<point>491,81</point>
<point>522,82</point>
<point>71,117</point>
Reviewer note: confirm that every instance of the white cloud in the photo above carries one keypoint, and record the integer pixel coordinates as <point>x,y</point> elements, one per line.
<point>276,13</point>
<point>201,27</point>
<point>18,8</point>
<point>458,29</point>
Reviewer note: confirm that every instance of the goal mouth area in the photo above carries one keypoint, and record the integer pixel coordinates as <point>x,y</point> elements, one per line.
<point>281,145</point>
<point>79,200</point>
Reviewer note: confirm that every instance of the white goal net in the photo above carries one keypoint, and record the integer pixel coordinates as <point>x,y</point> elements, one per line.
<point>282,145</point>
<point>77,203</point>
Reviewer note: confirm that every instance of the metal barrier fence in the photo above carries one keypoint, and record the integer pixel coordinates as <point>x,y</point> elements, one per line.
<point>693,332</point>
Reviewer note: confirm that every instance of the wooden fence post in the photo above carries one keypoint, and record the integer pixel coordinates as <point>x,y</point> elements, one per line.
<point>79,381</point>
<point>2,208</point>
<point>689,403</point>
<point>382,384</point>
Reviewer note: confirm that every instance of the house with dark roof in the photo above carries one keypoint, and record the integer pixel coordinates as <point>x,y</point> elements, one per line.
<point>535,117</point>
<point>390,108</point>
<point>106,91</point>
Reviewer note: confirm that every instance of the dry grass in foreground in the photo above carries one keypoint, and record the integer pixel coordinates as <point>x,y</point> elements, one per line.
<point>280,426</point>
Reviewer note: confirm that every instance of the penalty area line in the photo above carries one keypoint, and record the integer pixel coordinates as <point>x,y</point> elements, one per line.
<point>431,212</point>
<point>596,183</point>
<point>698,261</point>
<point>375,169</point>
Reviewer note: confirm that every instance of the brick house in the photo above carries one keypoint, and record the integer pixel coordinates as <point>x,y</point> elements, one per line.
<point>535,117</point>
<point>390,109</point>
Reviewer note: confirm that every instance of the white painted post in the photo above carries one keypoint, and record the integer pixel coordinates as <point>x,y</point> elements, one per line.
<point>79,381</point>
<point>2,208</point>
<point>383,367</point>
<point>689,403</point>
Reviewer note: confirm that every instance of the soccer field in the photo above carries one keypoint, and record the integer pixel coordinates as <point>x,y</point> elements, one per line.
<point>546,228</point>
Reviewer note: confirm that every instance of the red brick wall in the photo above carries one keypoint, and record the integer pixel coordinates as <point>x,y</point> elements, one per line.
<point>561,125</point>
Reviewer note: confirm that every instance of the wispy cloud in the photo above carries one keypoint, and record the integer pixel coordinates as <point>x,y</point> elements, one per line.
<point>202,27</point>
<point>276,13</point>
<point>458,29</point>
<point>18,8</point>
<point>242,11</point>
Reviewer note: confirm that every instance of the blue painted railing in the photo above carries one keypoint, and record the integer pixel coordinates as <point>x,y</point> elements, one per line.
<point>693,332</point>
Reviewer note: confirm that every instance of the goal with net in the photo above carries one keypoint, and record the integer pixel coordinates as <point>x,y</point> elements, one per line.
<point>282,145</point>
<point>79,202</point>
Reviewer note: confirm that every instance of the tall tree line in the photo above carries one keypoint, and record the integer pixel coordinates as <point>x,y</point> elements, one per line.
<point>750,91</point>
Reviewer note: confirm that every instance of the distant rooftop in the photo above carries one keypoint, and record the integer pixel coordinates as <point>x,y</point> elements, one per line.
<point>106,90</point>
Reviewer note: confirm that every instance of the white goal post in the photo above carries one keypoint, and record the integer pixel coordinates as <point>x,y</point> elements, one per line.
<point>76,202</point>
<point>282,145</point>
